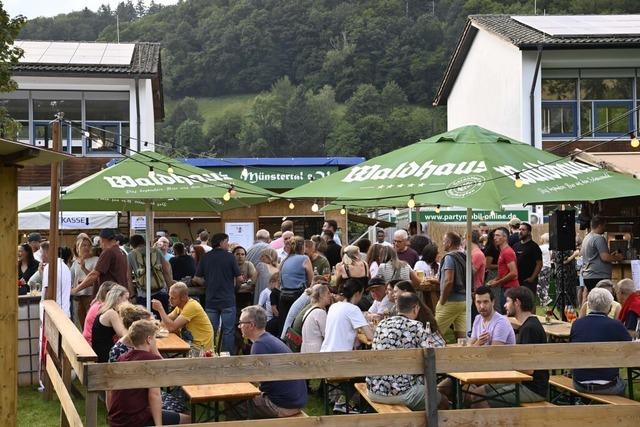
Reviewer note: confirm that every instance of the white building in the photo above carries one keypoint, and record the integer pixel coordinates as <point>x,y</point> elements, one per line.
<point>113,91</point>
<point>549,80</point>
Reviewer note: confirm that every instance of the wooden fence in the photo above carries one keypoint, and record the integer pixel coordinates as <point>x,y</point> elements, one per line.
<point>428,362</point>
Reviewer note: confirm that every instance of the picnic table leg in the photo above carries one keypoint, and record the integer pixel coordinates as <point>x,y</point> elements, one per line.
<point>216,411</point>
<point>459,398</point>
<point>517,394</point>
<point>325,391</point>
<point>630,382</point>
<point>193,412</point>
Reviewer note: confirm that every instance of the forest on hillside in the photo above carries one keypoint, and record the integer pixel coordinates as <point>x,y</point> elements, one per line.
<point>334,77</point>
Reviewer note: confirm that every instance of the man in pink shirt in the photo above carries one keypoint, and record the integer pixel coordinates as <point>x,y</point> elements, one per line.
<point>279,242</point>
<point>478,260</point>
<point>507,267</point>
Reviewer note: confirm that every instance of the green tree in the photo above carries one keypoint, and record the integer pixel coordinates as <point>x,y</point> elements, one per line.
<point>189,137</point>
<point>365,100</point>
<point>186,109</point>
<point>224,134</point>
<point>9,57</point>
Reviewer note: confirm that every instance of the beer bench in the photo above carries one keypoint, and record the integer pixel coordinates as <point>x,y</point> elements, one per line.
<point>566,386</point>
<point>380,408</point>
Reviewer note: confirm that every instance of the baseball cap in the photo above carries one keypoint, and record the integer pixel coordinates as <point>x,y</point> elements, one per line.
<point>514,222</point>
<point>34,237</point>
<point>375,281</point>
<point>108,233</point>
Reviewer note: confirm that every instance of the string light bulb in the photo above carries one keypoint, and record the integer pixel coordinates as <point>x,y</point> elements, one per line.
<point>227,196</point>
<point>151,173</point>
<point>315,207</point>
<point>412,202</point>
<point>396,211</point>
<point>438,209</point>
<point>343,211</point>
<point>233,192</point>
<point>291,205</point>
<point>492,213</point>
<point>635,143</point>
<point>518,182</point>
<point>170,169</point>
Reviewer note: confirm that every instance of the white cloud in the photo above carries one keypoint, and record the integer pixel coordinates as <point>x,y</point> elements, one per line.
<point>36,8</point>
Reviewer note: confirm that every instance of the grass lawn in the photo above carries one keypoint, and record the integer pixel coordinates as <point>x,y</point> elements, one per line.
<point>213,108</point>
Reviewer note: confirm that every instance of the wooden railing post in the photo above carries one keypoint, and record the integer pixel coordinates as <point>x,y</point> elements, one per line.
<point>431,396</point>
<point>91,409</point>
<point>66,380</point>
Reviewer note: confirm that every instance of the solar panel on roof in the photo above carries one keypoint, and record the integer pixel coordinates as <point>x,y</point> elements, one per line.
<point>583,25</point>
<point>76,53</point>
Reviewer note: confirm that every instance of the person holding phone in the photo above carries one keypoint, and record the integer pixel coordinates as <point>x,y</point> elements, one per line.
<point>489,326</point>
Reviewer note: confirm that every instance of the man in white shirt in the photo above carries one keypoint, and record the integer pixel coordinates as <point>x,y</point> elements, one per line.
<point>380,238</point>
<point>381,304</point>
<point>204,239</point>
<point>63,284</point>
<point>34,240</point>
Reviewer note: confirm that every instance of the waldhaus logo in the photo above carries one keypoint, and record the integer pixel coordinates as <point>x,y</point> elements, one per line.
<point>470,182</point>
<point>126,181</point>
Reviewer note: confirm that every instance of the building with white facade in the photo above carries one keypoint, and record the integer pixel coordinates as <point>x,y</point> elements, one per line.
<point>549,80</point>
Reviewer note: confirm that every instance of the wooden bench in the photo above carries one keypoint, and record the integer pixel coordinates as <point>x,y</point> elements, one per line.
<point>541,404</point>
<point>566,384</point>
<point>381,408</point>
<point>300,414</point>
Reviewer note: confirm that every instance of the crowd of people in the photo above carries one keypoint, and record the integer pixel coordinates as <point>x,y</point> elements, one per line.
<point>288,293</point>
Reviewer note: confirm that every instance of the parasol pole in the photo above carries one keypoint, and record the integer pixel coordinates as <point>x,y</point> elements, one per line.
<point>148,214</point>
<point>469,275</point>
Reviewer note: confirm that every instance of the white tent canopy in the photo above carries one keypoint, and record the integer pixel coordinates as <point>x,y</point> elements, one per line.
<point>68,220</point>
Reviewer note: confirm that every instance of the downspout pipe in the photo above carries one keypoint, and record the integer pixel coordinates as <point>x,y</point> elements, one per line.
<point>138,131</point>
<point>532,102</point>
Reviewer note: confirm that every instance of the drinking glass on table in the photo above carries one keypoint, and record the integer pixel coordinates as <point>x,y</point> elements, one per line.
<point>196,351</point>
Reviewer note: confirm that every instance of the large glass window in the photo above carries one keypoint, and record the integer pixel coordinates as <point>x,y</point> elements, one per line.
<point>618,88</point>
<point>559,112</point>
<point>107,110</point>
<point>18,110</point>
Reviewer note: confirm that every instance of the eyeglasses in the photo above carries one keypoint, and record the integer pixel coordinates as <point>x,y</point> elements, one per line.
<point>244,323</point>
<point>398,241</point>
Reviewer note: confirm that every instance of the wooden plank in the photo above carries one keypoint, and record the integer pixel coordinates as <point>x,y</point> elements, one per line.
<point>66,381</point>
<point>537,356</point>
<point>91,409</point>
<point>536,404</point>
<point>63,395</point>
<point>52,333</point>
<point>380,408</point>
<point>407,419</point>
<point>8,296</point>
<point>70,333</point>
<point>566,416</point>
<point>222,370</point>
<point>565,383</point>
<point>172,343</point>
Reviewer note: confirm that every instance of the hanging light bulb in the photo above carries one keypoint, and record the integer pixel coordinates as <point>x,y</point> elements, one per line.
<point>411,203</point>
<point>233,192</point>
<point>170,169</point>
<point>635,143</point>
<point>227,196</point>
<point>343,211</point>
<point>396,211</point>
<point>438,209</point>
<point>315,207</point>
<point>151,173</point>
<point>518,182</point>
<point>291,205</point>
<point>492,213</point>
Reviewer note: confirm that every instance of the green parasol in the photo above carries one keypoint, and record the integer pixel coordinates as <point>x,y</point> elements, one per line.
<point>469,167</point>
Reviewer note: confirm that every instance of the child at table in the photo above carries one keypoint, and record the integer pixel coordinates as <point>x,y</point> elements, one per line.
<point>141,406</point>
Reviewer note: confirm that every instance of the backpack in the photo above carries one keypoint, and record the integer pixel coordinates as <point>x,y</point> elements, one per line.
<point>293,337</point>
<point>140,274</point>
<point>459,284</point>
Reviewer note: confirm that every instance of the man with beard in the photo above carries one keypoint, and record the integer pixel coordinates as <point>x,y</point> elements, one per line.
<point>529,258</point>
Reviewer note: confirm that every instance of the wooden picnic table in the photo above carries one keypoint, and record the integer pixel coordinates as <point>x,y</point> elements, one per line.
<point>208,393</point>
<point>556,329</point>
<point>172,344</point>
<point>487,378</point>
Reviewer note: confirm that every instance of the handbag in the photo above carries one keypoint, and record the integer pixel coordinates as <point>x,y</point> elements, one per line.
<point>293,338</point>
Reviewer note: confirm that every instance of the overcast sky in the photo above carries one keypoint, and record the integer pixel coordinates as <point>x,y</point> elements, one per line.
<point>35,8</point>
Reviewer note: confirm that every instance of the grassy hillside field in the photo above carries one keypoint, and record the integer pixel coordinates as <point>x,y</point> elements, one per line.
<point>213,108</point>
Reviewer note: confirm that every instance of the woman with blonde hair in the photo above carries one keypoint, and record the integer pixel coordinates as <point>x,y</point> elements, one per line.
<point>97,302</point>
<point>108,323</point>
<point>129,313</point>
<point>351,267</point>
<point>83,264</point>
<point>315,319</point>
<point>267,266</point>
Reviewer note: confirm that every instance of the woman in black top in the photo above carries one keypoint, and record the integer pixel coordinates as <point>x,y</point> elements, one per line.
<point>182,265</point>
<point>27,266</point>
<point>108,323</point>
